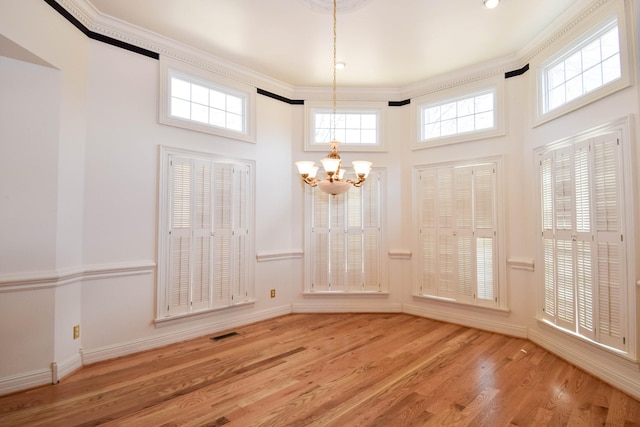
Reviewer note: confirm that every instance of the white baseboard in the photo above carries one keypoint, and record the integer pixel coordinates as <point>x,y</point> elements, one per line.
<point>94,355</point>
<point>66,367</point>
<point>328,307</point>
<point>620,373</point>
<point>470,321</point>
<point>25,381</point>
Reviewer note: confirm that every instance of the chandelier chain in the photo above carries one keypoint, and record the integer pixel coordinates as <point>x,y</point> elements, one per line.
<point>333,126</point>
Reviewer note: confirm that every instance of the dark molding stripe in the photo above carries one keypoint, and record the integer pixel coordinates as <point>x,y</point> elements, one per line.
<point>100,37</point>
<point>399,103</point>
<point>281,98</point>
<point>515,73</point>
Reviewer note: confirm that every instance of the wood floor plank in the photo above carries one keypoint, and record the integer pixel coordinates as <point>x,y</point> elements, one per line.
<point>326,370</point>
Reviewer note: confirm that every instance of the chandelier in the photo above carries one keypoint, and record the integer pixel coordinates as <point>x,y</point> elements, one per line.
<point>334,183</point>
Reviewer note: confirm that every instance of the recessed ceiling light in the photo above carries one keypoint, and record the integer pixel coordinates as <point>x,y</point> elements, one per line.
<point>490,4</point>
<point>340,65</point>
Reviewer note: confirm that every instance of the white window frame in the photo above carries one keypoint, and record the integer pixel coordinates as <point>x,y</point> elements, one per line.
<point>319,230</point>
<point>570,147</point>
<point>456,294</point>
<point>171,68</point>
<point>585,31</point>
<point>239,287</point>
<point>494,85</point>
<point>313,107</point>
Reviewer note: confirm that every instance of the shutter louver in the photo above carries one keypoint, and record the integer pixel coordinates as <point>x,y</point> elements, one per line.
<point>428,231</point>
<point>180,235</point>
<point>548,240</point>
<point>202,266</point>
<point>222,192</point>
<point>319,240</point>
<point>485,230</point>
<point>240,233</point>
<point>609,278</point>
<point>447,264</point>
<point>563,203</point>
<point>484,261</point>
<point>463,189</point>
<point>583,245</point>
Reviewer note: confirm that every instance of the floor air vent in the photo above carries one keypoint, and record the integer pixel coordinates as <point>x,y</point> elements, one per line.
<point>221,337</point>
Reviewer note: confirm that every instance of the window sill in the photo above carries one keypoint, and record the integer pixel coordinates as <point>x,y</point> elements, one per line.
<point>622,355</point>
<point>448,301</point>
<point>346,293</point>
<point>181,318</point>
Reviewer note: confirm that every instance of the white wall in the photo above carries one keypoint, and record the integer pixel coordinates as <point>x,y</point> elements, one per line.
<point>90,207</point>
<point>43,135</point>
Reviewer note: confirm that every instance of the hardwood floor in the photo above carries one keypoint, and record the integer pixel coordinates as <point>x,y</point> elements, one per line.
<point>331,370</point>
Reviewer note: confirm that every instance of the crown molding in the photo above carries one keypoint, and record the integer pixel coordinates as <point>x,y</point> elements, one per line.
<point>121,31</point>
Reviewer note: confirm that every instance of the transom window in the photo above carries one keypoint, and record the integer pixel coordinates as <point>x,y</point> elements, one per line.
<point>199,100</point>
<point>593,63</point>
<point>205,103</point>
<point>457,116</point>
<point>358,126</point>
<point>349,127</point>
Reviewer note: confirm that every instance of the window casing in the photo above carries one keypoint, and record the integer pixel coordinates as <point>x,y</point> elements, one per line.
<point>344,241</point>
<point>195,99</point>
<point>584,272</point>
<point>358,126</point>
<point>457,241</point>
<point>464,113</point>
<point>592,64</point>
<point>206,233</point>
<point>471,113</point>
<point>200,102</point>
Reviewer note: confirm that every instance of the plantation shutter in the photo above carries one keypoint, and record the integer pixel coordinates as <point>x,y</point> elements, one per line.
<point>427,180</point>
<point>584,243</point>
<point>447,265</point>
<point>240,234</point>
<point>463,234</point>
<point>205,256</point>
<point>223,230</point>
<point>610,281</point>
<point>458,227</point>
<point>584,282</point>
<point>485,230</point>
<point>564,236</point>
<point>179,242</point>
<point>320,240</point>
<point>345,239</point>
<point>203,240</point>
<point>337,243</point>
<point>356,251</point>
<point>371,233</point>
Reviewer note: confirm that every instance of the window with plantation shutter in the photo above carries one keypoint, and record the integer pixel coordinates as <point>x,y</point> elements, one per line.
<point>583,277</point>
<point>204,246</point>
<point>457,232</point>
<point>344,239</point>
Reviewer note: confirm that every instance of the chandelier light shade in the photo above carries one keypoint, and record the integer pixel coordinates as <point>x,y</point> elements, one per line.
<point>490,4</point>
<point>334,183</point>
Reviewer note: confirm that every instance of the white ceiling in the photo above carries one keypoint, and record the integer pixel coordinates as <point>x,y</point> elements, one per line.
<point>385,43</point>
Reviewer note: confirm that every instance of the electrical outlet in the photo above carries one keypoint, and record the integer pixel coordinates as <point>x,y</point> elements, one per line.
<point>273,293</point>
<point>76,332</point>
